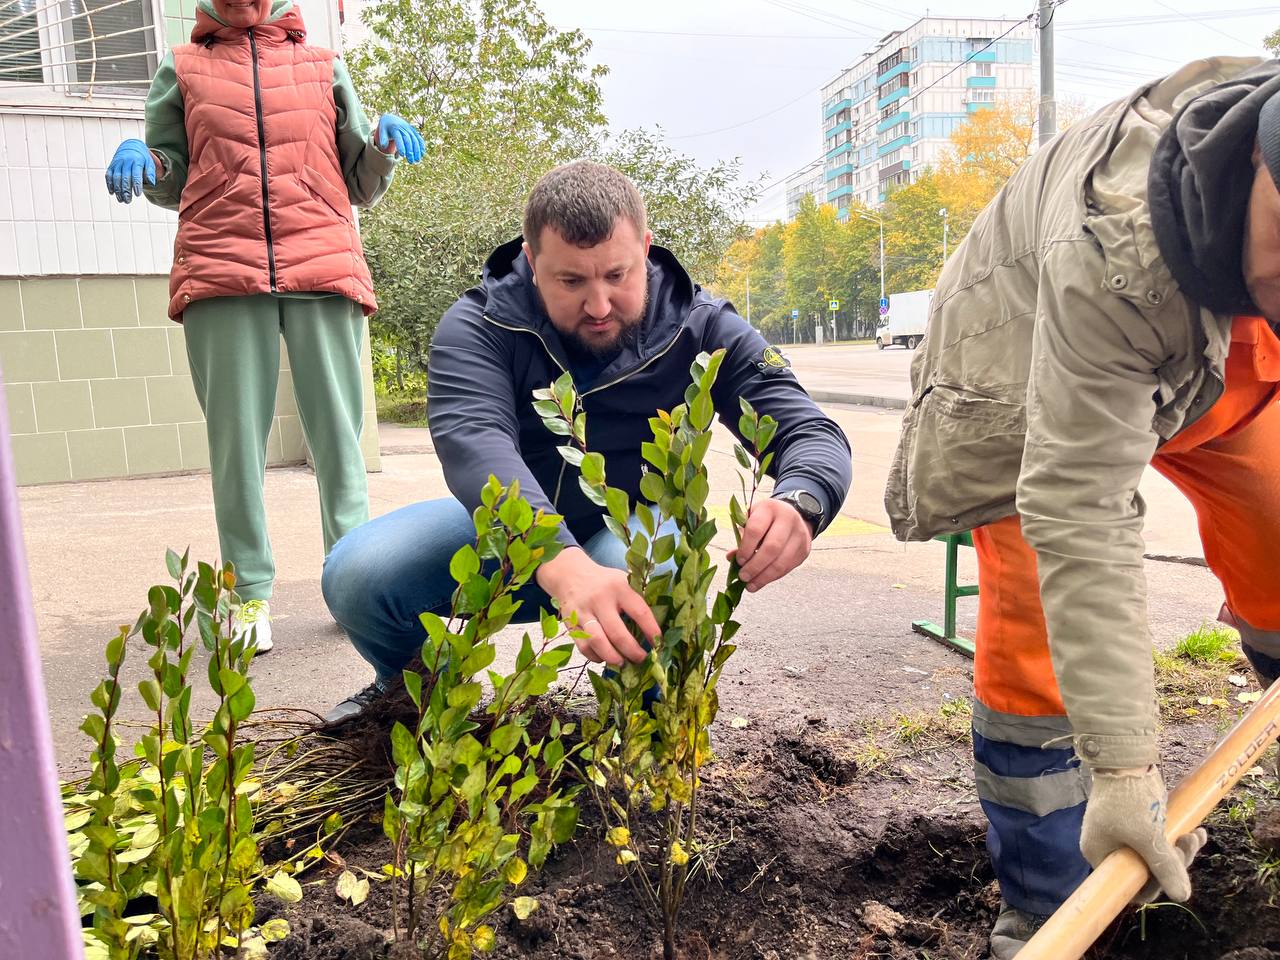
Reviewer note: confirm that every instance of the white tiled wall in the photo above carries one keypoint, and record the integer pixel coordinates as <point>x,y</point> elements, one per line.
<point>56,217</point>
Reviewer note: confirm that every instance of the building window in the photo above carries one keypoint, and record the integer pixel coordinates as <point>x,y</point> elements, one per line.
<point>893,133</point>
<point>79,47</point>
<point>982,96</point>
<point>984,69</point>
<point>915,53</point>
<point>20,60</point>
<point>888,63</point>
<point>899,82</point>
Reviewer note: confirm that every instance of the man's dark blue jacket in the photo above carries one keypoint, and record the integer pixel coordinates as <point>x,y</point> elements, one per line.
<point>496,345</point>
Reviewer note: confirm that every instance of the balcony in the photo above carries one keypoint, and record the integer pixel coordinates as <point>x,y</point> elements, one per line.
<point>839,192</point>
<point>835,108</point>
<point>889,122</point>
<point>838,171</point>
<point>837,129</point>
<point>892,145</point>
<point>979,82</point>
<point>892,97</point>
<point>839,149</point>
<point>889,74</point>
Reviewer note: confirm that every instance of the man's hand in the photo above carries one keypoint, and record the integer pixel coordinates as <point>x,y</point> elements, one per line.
<point>599,596</point>
<point>1127,809</point>
<point>775,541</point>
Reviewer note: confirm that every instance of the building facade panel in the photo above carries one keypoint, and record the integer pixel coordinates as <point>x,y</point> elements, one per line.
<point>895,109</point>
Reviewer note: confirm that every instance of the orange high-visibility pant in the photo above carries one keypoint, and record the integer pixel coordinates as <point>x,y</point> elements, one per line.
<point>1228,465</point>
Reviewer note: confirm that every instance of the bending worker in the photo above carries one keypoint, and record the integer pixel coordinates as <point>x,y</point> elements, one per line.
<point>1115,306</point>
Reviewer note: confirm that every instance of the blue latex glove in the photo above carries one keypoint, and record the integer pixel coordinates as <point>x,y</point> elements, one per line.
<point>127,168</point>
<point>408,141</point>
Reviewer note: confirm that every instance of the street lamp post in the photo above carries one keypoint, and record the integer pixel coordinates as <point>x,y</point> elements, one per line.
<point>946,223</point>
<point>879,220</point>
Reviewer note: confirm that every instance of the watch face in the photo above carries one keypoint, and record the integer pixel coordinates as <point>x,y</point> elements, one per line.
<point>808,504</point>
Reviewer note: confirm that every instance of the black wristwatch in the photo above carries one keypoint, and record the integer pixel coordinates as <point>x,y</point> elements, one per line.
<point>809,506</point>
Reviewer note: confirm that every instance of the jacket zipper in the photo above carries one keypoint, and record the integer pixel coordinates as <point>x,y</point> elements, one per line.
<point>555,501</point>
<point>262,157</point>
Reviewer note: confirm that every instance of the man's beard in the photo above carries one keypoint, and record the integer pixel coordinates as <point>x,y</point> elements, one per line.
<point>628,336</point>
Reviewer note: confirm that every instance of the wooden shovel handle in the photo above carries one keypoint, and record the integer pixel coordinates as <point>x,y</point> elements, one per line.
<point>1089,911</point>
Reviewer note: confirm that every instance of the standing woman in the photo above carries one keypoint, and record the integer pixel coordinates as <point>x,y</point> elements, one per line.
<point>259,143</point>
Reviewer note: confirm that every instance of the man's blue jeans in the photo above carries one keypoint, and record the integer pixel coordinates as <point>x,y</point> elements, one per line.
<point>382,575</point>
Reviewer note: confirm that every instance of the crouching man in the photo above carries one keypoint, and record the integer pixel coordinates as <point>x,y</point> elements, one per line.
<point>585,291</point>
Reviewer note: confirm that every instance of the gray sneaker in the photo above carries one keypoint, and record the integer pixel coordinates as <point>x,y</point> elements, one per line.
<point>1012,931</point>
<point>356,703</point>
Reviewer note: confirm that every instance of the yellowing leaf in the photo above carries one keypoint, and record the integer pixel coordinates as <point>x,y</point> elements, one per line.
<point>346,885</point>
<point>1237,681</point>
<point>739,723</point>
<point>523,907</point>
<point>351,888</point>
<point>483,939</point>
<point>516,870</point>
<point>1251,697</point>
<point>678,854</point>
<point>1205,701</point>
<point>275,930</point>
<point>619,836</point>
<point>284,887</point>
<point>626,856</point>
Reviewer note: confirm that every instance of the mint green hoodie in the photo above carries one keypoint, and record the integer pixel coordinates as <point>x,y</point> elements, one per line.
<point>366,169</point>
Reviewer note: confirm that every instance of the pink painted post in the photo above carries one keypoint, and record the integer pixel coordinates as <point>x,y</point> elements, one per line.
<point>38,915</point>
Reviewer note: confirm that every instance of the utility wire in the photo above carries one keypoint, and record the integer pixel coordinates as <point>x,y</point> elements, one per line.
<point>730,36</point>
<point>735,126</point>
<point>1221,33</point>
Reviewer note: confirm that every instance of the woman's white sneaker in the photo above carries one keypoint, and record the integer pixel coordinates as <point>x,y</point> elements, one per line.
<point>253,617</point>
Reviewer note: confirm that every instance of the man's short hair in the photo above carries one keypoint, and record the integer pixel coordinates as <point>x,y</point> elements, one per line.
<point>582,201</point>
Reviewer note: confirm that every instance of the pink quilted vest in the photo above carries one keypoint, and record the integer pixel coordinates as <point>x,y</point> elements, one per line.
<point>265,206</point>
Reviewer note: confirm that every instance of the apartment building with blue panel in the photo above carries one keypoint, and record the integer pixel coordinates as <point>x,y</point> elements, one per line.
<point>890,116</point>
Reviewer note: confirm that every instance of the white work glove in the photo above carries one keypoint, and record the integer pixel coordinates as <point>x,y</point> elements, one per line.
<point>1127,808</point>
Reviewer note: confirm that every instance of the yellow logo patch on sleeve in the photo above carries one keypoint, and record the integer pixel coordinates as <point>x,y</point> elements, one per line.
<point>773,357</point>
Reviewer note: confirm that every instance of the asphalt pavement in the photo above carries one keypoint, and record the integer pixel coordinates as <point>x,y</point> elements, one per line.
<point>95,548</point>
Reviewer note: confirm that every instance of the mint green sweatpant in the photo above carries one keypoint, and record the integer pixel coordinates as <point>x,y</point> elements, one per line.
<point>233,344</point>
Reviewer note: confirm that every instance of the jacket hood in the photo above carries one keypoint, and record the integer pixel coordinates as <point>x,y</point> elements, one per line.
<point>1199,183</point>
<point>512,299</point>
<point>285,17</point>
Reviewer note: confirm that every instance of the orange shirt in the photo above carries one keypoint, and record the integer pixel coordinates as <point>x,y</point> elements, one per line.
<point>1253,381</point>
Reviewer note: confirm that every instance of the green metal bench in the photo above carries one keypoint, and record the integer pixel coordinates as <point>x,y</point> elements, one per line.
<point>946,634</point>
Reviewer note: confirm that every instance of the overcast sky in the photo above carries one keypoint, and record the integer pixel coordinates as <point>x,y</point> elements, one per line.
<point>742,78</point>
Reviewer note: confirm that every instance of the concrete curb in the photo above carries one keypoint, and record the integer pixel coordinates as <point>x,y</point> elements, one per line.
<point>858,399</point>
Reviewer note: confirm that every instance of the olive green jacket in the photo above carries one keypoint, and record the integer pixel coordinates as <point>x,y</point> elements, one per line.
<point>1060,354</point>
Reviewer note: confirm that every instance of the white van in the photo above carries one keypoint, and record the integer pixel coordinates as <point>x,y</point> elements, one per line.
<point>907,320</point>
